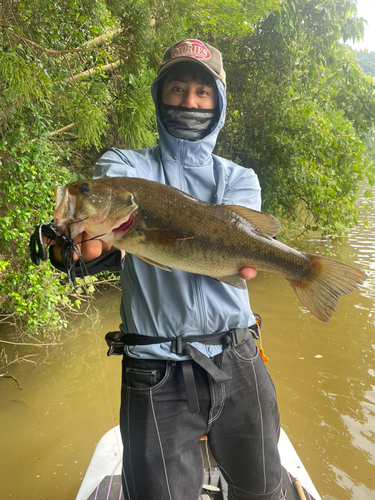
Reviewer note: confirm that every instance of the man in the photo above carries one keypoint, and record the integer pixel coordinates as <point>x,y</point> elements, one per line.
<point>203,376</point>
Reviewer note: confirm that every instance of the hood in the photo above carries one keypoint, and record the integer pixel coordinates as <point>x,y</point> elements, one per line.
<point>188,152</point>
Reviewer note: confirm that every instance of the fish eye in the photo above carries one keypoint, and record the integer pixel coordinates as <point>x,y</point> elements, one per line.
<point>84,188</point>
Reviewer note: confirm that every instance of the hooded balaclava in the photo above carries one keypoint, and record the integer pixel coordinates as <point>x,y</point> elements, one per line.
<point>201,63</point>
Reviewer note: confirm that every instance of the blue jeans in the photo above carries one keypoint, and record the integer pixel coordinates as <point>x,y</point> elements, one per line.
<point>162,457</point>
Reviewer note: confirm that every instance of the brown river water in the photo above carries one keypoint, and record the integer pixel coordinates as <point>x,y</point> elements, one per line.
<point>324,374</point>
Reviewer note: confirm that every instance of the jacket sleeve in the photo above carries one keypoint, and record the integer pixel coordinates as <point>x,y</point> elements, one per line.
<point>114,163</point>
<point>242,188</point>
<point>110,261</point>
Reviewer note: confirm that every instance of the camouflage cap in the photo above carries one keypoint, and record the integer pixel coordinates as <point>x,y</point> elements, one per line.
<point>197,51</point>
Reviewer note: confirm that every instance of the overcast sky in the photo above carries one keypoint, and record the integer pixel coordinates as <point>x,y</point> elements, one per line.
<point>366,9</point>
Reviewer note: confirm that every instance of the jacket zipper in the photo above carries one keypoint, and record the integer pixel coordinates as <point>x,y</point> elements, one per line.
<point>197,281</point>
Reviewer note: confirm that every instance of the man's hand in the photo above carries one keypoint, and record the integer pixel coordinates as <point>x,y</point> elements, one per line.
<point>89,249</point>
<point>248,273</point>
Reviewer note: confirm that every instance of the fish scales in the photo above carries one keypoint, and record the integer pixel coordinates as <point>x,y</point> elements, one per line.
<point>215,250</point>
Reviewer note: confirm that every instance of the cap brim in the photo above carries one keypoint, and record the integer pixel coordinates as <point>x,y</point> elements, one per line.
<point>186,59</point>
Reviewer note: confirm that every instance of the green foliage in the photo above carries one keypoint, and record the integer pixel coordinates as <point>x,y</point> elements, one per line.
<point>300,109</point>
<point>36,299</point>
<point>134,118</point>
<point>29,174</point>
<point>366,60</point>
<point>136,34</point>
<point>87,110</point>
<point>226,18</point>
<point>22,81</point>
<point>319,181</point>
<point>86,285</point>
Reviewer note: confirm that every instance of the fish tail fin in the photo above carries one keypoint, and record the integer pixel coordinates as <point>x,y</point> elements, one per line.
<point>325,282</point>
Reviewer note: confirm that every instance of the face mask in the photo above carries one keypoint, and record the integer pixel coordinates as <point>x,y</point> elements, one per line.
<point>188,123</point>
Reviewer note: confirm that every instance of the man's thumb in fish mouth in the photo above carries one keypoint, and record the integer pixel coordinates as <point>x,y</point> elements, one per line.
<point>247,273</point>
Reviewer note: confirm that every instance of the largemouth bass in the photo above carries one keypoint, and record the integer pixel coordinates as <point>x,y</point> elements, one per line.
<point>170,229</point>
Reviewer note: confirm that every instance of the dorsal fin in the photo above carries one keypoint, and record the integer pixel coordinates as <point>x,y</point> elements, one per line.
<point>265,223</point>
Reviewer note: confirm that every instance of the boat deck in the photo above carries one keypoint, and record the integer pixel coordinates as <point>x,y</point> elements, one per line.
<point>110,488</point>
<point>103,477</point>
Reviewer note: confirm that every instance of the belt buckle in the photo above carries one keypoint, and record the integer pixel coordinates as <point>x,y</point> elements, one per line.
<point>233,336</point>
<point>255,331</point>
<point>116,348</point>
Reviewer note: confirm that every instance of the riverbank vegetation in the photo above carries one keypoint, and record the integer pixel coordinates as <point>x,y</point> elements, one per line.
<point>75,78</point>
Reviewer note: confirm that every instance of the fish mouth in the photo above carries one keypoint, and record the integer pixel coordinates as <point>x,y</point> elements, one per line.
<point>124,227</point>
<point>74,228</point>
<point>112,235</point>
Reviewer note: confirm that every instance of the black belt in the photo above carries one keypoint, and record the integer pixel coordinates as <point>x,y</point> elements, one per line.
<point>181,345</point>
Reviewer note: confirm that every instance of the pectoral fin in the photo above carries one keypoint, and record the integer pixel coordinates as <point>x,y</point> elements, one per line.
<point>233,280</point>
<point>153,263</point>
<point>265,223</point>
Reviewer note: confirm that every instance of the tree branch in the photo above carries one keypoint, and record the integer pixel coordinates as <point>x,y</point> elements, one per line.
<point>28,344</point>
<point>94,44</point>
<point>64,129</point>
<point>55,132</point>
<point>99,40</point>
<point>11,376</point>
<point>107,68</point>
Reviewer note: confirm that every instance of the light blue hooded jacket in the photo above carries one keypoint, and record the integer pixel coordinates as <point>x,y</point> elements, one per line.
<point>155,302</point>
